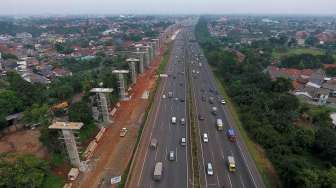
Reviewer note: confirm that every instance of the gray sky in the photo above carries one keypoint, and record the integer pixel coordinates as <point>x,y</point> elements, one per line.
<point>167,6</point>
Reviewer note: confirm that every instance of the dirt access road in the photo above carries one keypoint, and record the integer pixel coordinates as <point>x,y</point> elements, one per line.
<point>113,152</point>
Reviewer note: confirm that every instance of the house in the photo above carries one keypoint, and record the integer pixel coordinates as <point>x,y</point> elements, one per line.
<point>35,78</point>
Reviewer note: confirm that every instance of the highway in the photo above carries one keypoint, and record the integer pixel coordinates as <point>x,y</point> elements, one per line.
<point>169,135</point>
<point>187,65</point>
<point>218,147</point>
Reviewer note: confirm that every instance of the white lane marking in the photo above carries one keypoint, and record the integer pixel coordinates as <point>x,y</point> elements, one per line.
<point>204,170</point>
<point>218,181</point>
<point>241,181</point>
<point>242,153</point>
<point>249,170</point>
<point>228,175</point>
<point>155,117</point>
<point>186,122</point>
<point>156,152</point>
<point>176,154</point>
<point>166,154</point>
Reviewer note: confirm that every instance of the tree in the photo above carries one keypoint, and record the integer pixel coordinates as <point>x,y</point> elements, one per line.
<point>23,171</point>
<point>325,144</point>
<point>307,178</point>
<point>328,178</point>
<point>36,114</point>
<point>9,103</point>
<point>282,85</point>
<point>80,112</point>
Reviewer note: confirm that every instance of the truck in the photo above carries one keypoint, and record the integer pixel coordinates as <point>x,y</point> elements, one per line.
<point>158,171</point>
<point>214,110</point>
<point>231,134</point>
<point>231,164</point>
<point>219,124</point>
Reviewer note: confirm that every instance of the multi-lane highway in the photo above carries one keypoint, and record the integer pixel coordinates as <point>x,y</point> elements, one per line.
<point>167,133</point>
<point>218,147</point>
<point>189,66</point>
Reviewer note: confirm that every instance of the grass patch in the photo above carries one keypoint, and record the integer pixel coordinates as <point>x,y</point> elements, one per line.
<point>52,181</point>
<point>194,132</point>
<point>296,51</point>
<point>165,60</point>
<point>265,167</point>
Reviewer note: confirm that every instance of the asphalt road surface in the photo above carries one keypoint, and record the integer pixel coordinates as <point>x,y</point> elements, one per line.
<point>168,134</point>
<point>218,147</point>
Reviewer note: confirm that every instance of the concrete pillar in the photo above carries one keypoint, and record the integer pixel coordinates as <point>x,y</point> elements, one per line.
<point>141,56</point>
<point>133,72</point>
<point>70,144</point>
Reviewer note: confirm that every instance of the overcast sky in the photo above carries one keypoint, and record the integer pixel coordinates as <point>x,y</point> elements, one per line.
<point>167,6</point>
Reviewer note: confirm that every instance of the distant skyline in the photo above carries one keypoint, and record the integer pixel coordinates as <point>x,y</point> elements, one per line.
<point>38,7</point>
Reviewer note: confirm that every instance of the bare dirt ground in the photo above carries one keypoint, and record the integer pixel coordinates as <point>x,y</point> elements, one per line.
<point>113,152</point>
<point>23,142</point>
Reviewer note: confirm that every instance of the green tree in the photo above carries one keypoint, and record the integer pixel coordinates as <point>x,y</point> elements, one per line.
<point>24,171</point>
<point>80,112</point>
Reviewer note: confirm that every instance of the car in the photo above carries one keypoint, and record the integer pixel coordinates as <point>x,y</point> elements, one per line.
<point>182,100</point>
<point>210,171</point>
<point>123,132</point>
<point>172,156</point>
<point>182,121</point>
<point>205,138</point>
<point>200,117</point>
<point>163,96</point>
<point>176,98</point>
<point>203,98</point>
<point>181,84</point>
<point>153,143</point>
<point>183,141</point>
<point>223,101</point>
<point>173,120</point>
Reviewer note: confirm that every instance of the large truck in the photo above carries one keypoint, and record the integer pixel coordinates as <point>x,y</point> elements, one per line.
<point>231,164</point>
<point>219,124</point>
<point>231,134</point>
<point>158,171</point>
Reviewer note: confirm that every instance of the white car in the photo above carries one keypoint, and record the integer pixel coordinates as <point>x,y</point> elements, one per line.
<point>182,121</point>
<point>205,138</point>
<point>210,171</point>
<point>172,156</point>
<point>173,120</point>
<point>163,96</point>
<point>223,101</point>
<point>183,141</point>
